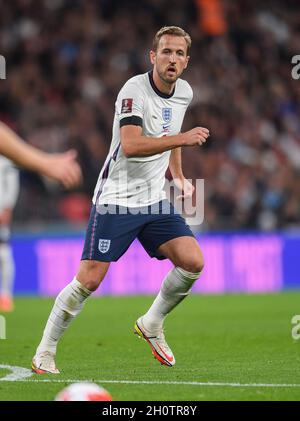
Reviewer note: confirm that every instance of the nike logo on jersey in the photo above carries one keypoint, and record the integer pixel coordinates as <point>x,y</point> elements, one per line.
<point>166,127</point>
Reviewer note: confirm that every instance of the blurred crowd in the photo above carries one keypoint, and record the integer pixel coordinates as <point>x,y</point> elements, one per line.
<point>67,60</point>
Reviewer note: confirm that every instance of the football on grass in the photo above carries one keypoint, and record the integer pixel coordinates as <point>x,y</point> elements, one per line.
<point>83,392</point>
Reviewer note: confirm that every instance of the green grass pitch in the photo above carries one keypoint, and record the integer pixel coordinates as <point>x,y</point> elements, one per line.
<point>233,347</point>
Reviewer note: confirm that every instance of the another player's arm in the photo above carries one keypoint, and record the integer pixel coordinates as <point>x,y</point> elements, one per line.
<point>135,144</point>
<point>61,167</point>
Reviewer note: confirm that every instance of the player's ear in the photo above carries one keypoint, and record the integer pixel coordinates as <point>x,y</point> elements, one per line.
<point>152,56</point>
<point>187,61</point>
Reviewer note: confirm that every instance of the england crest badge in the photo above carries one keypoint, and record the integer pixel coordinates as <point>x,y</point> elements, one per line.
<point>167,114</point>
<point>104,245</point>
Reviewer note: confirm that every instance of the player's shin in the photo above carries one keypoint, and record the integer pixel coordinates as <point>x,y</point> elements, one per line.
<point>67,305</point>
<point>175,287</point>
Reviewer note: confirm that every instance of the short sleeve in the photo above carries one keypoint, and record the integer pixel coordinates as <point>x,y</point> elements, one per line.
<point>190,94</point>
<point>130,104</point>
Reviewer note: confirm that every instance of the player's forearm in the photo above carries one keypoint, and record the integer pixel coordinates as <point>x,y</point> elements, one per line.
<point>14,148</point>
<point>147,146</point>
<point>175,164</point>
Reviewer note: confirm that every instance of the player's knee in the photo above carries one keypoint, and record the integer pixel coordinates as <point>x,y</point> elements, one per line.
<point>194,264</point>
<point>194,267</point>
<point>90,283</point>
<point>89,276</point>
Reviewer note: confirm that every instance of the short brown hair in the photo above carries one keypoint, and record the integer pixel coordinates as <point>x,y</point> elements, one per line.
<point>172,30</point>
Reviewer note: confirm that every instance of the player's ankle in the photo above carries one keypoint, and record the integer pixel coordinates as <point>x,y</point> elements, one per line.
<point>46,348</point>
<point>151,325</point>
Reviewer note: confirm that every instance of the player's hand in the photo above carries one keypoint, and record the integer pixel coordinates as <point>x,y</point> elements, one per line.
<point>64,168</point>
<point>196,136</point>
<point>185,186</point>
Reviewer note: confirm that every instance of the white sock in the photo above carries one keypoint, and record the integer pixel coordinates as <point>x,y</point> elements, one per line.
<point>175,287</point>
<point>7,267</point>
<point>68,304</point>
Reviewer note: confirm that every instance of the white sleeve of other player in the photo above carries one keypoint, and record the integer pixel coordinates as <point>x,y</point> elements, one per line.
<point>11,184</point>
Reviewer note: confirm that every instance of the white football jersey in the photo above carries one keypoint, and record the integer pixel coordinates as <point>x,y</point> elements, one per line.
<point>139,181</point>
<point>9,184</point>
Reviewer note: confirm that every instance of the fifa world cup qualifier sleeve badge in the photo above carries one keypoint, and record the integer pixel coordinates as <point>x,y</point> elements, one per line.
<point>126,105</point>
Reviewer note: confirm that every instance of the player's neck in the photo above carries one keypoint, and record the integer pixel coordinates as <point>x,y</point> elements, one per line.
<point>163,87</point>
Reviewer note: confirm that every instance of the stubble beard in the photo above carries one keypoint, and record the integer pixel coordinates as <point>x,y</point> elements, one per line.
<point>168,80</point>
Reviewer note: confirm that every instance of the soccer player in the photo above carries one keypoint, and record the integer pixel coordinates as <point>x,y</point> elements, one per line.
<point>129,201</point>
<point>9,190</point>
<point>61,167</point>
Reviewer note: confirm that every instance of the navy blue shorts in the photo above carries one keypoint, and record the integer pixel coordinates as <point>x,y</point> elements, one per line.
<point>112,229</point>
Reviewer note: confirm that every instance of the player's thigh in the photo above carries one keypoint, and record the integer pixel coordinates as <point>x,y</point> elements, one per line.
<point>91,273</point>
<point>184,252</point>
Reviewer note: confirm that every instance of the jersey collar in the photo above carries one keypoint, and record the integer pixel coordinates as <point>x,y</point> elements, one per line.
<point>156,90</point>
